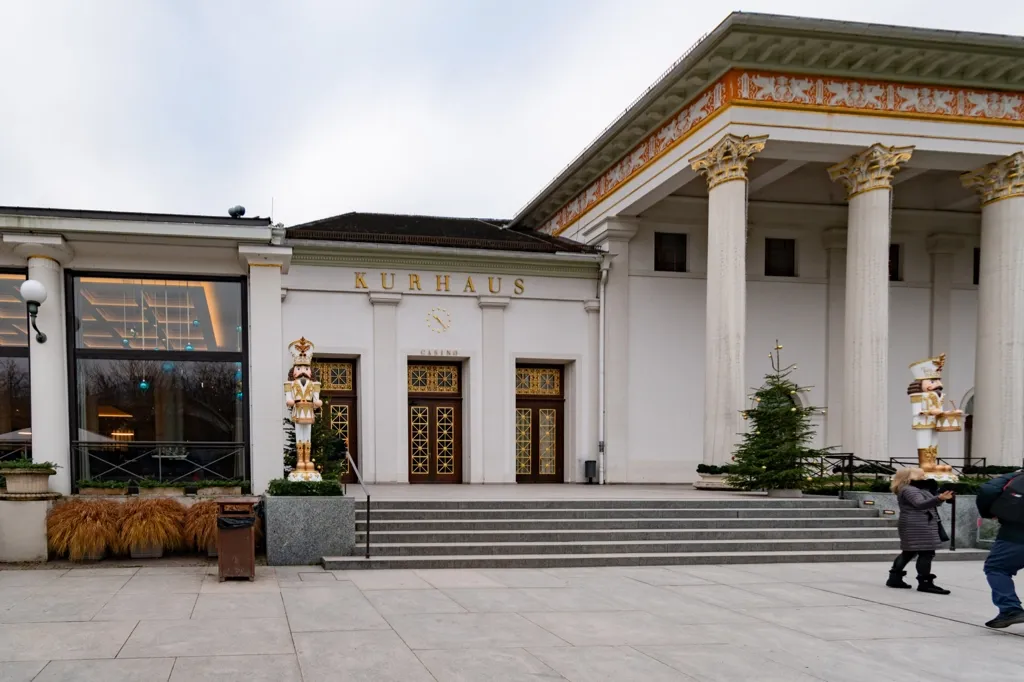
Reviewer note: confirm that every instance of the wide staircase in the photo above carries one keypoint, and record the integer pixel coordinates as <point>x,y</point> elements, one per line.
<point>542,534</point>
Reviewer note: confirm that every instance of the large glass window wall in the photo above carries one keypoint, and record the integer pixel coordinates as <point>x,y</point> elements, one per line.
<point>15,393</point>
<point>159,381</point>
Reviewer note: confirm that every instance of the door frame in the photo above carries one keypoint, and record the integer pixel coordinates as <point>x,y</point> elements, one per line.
<point>537,398</point>
<point>434,399</point>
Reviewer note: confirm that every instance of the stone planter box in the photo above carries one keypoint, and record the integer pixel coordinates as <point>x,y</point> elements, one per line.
<point>220,491</point>
<point>23,527</point>
<point>966,514</point>
<point>302,530</point>
<point>27,481</point>
<point>163,491</point>
<point>712,482</point>
<point>104,492</point>
<point>150,552</point>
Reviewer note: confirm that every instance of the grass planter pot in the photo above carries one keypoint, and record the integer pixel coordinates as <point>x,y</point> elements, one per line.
<point>103,492</point>
<point>712,482</point>
<point>162,491</point>
<point>28,481</point>
<point>301,530</point>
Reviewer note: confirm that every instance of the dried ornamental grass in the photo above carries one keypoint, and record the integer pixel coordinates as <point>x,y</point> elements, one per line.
<point>201,525</point>
<point>152,522</point>
<point>84,529</point>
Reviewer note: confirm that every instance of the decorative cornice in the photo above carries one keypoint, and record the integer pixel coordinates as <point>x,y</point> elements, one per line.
<point>382,298</point>
<point>614,229</point>
<point>567,268</point>
<point>728,159</point>
<point>744,87</point>
<point>945,243</point>
<point>253,256</point>
<point>499,302</point>
<point>870,169</point>
<point>1002,179</point>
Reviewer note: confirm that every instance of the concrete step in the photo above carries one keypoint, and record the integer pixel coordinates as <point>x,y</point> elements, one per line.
<point>729,503</point>
<point>602,535</point>
<point>476,524</point>
<point>639,546</point>
<point>606,513</point>
<point>628,559</point>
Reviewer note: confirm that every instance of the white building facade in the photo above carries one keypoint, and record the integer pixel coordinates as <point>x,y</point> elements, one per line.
<point>854,191</point>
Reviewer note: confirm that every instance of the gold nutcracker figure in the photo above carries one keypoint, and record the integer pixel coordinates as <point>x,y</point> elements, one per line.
<point>303,399</point>
<point>930,417</point>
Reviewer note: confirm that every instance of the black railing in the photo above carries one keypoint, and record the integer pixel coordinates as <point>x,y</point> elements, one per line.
<point>352,464</point>
<point>16,449</point>
<point>168,461</point>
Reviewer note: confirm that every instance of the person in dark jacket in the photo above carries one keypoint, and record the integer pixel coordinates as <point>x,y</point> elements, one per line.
<point>919,529</point>
<point>1005,558</point>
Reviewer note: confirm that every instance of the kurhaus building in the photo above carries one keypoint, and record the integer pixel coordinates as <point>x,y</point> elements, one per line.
<point>854,191</point>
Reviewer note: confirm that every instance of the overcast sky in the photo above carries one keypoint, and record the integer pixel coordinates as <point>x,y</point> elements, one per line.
<point>446,107</point>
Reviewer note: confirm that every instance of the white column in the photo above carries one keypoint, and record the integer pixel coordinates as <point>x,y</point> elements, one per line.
<point>999,358</point>
<point>725,168</point>
<point>498,457</point>
<point>266,371</point>
<point>616,234</point>
<point>943,248</point>
<point>867,177</point>
<point>834,241</point>
<point>51,441</point>
<point>588,405</point>
<point>387,465</point>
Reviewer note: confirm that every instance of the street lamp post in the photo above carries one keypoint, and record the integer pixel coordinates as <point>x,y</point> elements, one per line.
<point>34,294</point>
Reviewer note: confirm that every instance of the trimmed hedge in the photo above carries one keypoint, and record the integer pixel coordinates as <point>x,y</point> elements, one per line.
<point>282,487</point>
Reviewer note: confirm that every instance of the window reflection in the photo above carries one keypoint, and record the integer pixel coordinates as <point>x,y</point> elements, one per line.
<point>141,400</point>
<point>15,403</point>
<point>13,315</point>
<point>157,314</point>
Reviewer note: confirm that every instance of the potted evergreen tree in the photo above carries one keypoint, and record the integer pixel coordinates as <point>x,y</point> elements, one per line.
<point>775,453</point>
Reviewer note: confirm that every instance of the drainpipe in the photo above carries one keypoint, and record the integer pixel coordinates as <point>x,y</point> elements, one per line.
<point>605,264</point>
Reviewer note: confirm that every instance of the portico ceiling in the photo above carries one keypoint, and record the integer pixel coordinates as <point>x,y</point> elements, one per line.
<point>790,45</point>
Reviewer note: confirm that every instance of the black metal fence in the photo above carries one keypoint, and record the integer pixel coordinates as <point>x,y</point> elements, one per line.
<point>16,449</point>
<point>171,462</point>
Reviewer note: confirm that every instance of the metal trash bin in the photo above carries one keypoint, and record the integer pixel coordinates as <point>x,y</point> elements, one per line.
<point>590,470</point>
<point>236,538</point>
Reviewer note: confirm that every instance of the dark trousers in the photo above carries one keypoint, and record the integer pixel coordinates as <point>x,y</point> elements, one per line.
<point>1003,562</point>
<point>924,562</point>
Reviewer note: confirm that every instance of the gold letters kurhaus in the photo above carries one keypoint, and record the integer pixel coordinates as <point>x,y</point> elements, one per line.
<point>442,283</point>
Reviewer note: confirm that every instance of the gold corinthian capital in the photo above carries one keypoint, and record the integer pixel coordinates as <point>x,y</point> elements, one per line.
<point>728,159</point>
<point>1002,179</point>
<point>870,169</point>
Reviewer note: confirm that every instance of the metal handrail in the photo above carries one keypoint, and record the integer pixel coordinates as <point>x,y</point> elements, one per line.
<point>366,492</point>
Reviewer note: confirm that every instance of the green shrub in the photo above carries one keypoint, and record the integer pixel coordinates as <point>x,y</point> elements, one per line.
<point>989,470</point>
<point>89,483</point>
<point>28,464</point>
<point>151,483</point>
<point>282,487</point>
<point>220,483</point>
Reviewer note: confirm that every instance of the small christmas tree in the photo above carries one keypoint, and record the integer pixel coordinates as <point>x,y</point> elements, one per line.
<point>774,453</point>
<point>327,445</point>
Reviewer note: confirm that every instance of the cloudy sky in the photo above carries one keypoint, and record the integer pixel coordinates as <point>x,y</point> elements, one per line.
<point>317,107</point>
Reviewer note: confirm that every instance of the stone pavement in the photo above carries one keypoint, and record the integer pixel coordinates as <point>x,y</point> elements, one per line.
<point>771,623</point>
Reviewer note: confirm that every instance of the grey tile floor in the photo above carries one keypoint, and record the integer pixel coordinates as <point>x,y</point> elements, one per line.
<point>771,623</point>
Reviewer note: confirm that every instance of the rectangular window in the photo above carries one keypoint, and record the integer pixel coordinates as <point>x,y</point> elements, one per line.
<point>157,314</point>
<point>977,266</point>
<point>895,263</point>
<point>669,252</point>
<point>780,257</point>
<point>159,381</point>
<point>15,393</point>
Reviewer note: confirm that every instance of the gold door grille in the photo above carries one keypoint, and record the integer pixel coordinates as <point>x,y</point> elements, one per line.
<point>445,440</point>
<point>539,381</point>
<point>524,440</point>
<point>339,424</point>
<point>433,379</point>
<point>419,422</point>
<point>333,376</point>
<point>548,423</point>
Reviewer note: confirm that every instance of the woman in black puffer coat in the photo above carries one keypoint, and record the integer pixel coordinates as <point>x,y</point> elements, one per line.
<point>919,529</point>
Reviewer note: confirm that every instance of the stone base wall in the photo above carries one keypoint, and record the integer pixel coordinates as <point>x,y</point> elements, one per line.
<point>302,530</point>
<point>23,530</point>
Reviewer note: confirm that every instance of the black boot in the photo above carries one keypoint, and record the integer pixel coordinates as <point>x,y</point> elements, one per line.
<point>896,580</point>
<point>926,583</point>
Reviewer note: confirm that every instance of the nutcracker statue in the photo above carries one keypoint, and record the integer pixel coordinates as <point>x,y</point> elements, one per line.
<point>930,417</point>
<point>303,399</point>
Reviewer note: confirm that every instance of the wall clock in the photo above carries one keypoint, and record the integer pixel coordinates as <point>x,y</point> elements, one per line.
<point>439,320</point>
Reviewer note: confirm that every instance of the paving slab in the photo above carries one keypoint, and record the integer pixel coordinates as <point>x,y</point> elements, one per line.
<point>22,671</point>
<point>62,641</point>
<point>608,664</point>
<point>395,602</point>
<point>722,663</point>
<point>140,606</point>
<point>114,670</point>
<point>274,668</point>
<point>486,665</point>
<point>360,656</point>
<point>338,607</point>
<point>471,631</point>
<point>246,605</point>
<point>158,638</point>
<point>588,628</point>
